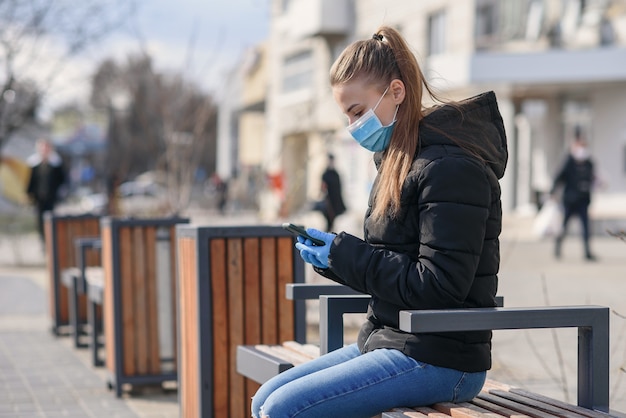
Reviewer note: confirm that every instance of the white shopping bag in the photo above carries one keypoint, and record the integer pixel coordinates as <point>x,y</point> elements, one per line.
<point>549,220</point>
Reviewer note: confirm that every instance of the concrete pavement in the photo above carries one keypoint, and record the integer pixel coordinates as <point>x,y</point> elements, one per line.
<point>44,376</point>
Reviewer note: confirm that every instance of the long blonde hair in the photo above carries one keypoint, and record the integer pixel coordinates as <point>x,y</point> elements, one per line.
<point>379,60</point>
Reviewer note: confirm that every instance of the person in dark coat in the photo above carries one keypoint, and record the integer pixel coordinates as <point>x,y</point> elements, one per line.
<point>332,205</point>
<point>47,177</point>
<point>576,176</point>
<point>431,241</point>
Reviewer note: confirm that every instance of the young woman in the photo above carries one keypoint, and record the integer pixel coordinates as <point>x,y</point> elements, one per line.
<point>431,241</point>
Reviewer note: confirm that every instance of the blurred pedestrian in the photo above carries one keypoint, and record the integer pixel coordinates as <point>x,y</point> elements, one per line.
<point>46,178</point>
<point>576,176</point>
<point>221,190</point>
<point>332,204</point>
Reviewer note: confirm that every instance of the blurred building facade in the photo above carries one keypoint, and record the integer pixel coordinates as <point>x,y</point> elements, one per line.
<point>554,64</point>
<point>242,129</point>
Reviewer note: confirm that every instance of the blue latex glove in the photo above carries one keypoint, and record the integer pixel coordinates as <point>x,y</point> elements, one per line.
<point>316,255</point>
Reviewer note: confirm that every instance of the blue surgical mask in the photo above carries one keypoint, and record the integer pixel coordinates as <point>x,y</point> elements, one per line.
<point>369,131</point>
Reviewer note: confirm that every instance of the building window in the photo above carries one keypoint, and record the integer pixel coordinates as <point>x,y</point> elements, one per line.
<point>298,71</point>
<point>437,33</point>
<point>486,23</point>
<point>286,4</point>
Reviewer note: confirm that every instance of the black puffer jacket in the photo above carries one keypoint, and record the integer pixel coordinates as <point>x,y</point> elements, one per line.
<point>442,251</point>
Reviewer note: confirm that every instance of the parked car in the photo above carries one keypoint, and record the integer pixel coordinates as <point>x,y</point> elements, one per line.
<point>138,198</point>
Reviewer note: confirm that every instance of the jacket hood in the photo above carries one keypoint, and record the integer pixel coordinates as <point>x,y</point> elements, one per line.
<point>475,120</point>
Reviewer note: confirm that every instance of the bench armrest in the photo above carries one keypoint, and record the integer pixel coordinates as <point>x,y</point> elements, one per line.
<point>332,308</point>
<point>298,291</point>
<point>82,245</point>
<point>593,336</point>
<point>94,279</point>
<point>88,242</point>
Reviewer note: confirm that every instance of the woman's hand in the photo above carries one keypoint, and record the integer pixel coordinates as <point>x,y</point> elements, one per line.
<point>316,255</point>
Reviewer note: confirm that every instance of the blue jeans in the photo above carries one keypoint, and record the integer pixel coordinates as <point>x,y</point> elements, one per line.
<point>346,383</point>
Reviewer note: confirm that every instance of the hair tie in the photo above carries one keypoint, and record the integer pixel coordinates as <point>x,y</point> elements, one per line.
<point>377,36</point>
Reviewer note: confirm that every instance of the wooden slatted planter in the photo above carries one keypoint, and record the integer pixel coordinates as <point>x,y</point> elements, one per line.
<point>231,291</point>
<point>61,231</point>
<point>139,302</point>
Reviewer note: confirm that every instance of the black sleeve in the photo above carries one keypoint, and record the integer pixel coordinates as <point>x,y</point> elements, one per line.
<point>454,201</point>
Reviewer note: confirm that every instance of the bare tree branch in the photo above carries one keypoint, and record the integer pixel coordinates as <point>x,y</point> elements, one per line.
<point>37,40</point>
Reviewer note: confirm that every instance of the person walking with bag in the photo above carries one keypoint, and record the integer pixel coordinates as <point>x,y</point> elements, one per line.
<point>576,176</point>
<point>430,242</point>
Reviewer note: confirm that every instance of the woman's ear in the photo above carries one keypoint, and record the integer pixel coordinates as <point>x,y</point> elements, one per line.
<point>397,90</point>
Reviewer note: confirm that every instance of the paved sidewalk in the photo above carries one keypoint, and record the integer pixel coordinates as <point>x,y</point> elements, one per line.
<point>45,376</point>
<point>40,376</point>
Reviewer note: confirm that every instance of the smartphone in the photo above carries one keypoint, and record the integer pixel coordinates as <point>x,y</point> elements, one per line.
<point>299,230</point>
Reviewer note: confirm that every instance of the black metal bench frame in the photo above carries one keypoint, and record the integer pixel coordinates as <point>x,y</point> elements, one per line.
<point>95,296</point>
<point>592,323</point>
<point>73,279</point>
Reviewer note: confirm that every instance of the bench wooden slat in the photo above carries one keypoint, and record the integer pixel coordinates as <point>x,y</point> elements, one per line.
<point>310,350</point>
<point>403,412</point>
<point>430,412</point>
<point>498,409</point>
<point>536,404</point>
<point>283,352</point>
<point>464,410</point>
<point>524,409</point>
<point>495,385</point>
<point>563,405</point>
<point>461,410</point>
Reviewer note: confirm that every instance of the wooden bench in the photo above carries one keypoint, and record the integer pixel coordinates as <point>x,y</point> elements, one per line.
<point>94,283</point>
<point>261,362</point>
<point>335,301</point>
<point>139,303</point>
<point>60,233</point>
<point>73,278</point>
<point>231,291</point>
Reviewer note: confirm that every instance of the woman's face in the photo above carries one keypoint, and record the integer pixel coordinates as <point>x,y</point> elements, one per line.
<point>356,97</point>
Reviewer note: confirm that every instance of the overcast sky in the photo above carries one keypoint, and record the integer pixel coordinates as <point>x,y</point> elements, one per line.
<point>221,30</point>
<point>217,32</point>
